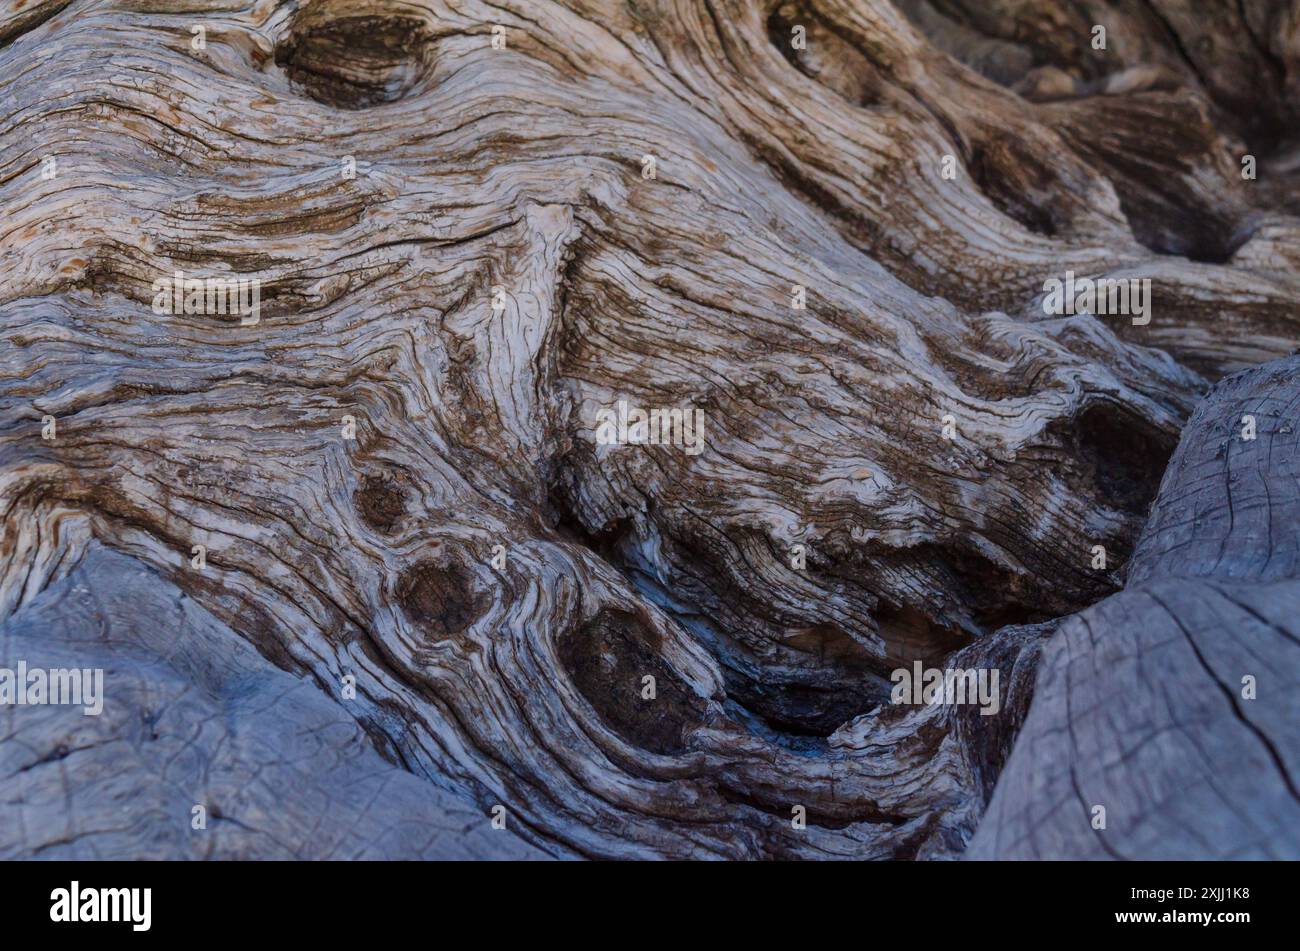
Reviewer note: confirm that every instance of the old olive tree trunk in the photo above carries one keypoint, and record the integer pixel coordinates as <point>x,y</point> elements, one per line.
<point>366,578</point>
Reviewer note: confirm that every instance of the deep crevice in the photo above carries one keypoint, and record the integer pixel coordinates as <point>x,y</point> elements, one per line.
<point>791,702</point>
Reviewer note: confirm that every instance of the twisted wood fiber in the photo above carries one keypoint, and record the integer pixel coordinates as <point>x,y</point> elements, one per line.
<point>521,168</point>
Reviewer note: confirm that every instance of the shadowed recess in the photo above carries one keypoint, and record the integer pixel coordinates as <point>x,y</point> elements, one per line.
<point>608,659</point>
<point>817,51</point>
<point>354,62</point>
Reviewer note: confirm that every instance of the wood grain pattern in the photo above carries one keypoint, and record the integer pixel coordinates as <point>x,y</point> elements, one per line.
<point>521,169</point>
<point>1142,703</point>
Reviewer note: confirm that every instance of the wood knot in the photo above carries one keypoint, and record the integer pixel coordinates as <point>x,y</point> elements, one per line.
<point>354,61</point>
<point>440,597</point>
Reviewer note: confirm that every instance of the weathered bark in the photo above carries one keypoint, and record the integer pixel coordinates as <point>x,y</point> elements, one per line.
<point>194,718</point>
<point>1173,705</point>
<point>521,168</point>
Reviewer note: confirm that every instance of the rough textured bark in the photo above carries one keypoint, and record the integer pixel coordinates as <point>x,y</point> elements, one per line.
<point>1142,704</point>
<point>193,716</point>
<point>522,168</point>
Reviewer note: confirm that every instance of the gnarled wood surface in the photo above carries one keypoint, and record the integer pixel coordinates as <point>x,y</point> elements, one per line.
<point>1174,704</point>
<point>777,164</point>
<point>194,716</point>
